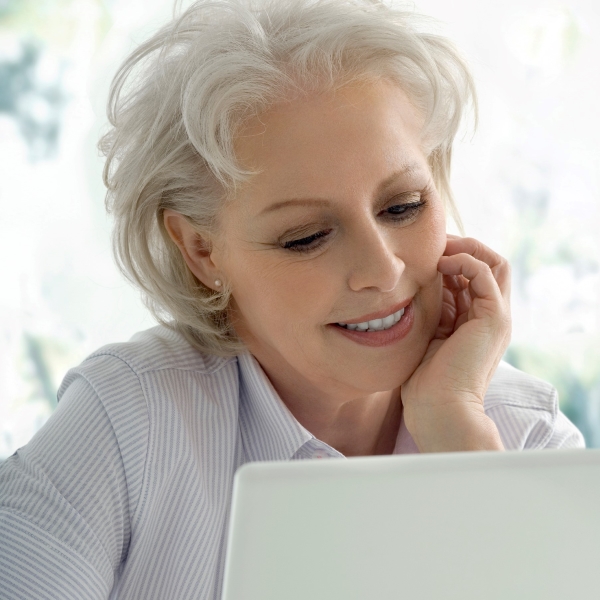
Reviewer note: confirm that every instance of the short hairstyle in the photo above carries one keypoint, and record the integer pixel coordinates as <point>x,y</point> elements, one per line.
<point>178,100</point>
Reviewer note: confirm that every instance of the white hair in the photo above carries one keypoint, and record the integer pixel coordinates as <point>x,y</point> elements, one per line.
<point>178,100</point>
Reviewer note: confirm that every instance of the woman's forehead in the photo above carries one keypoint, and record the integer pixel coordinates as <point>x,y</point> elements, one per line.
<point>314,118</point>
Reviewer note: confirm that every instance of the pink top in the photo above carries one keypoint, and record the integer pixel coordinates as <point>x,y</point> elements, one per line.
<point>404,442</point>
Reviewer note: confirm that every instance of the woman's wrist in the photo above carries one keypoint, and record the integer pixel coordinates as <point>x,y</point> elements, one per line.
<point>453,428</point>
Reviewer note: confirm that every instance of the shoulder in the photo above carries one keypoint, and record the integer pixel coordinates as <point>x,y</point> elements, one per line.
<point>155,377</point>
<point>512,386</point>
<point>158,397</point>
<point>526,411</point>
<point>161,348</point>
<point>121,365</point>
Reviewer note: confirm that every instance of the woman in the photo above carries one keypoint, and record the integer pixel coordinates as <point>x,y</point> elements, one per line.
<point>279,179</point>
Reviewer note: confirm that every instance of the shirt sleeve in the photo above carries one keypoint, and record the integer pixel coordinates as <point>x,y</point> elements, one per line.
<point>565,434</point>
<point>527,413</point>
<point>64,504</point>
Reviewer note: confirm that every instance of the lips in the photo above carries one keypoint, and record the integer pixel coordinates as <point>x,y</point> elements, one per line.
<point>379,338</point>
<point>375,324</point>
<point>380,314</point>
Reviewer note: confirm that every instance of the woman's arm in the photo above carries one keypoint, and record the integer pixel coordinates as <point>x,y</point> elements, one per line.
<point>565,434</point>
<point>64,505</point>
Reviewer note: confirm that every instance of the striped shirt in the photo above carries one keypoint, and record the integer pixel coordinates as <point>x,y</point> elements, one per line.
<point>125,492</point>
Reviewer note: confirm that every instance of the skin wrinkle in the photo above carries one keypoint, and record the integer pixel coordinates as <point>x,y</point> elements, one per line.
<point>283,301</point>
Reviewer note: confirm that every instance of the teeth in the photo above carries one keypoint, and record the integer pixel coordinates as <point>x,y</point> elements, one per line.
<point>388,321</point>
<point>376,324</point>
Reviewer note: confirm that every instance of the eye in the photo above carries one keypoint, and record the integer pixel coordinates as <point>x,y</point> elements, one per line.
<point>404,212</point>
<point>308,243</point>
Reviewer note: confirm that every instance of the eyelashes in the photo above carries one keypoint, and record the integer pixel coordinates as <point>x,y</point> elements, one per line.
<point>398,213</point>
<point>307,242</point>
<point>406,209</point>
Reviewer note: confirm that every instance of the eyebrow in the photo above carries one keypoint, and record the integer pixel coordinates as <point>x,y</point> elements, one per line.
<point>406,170</point>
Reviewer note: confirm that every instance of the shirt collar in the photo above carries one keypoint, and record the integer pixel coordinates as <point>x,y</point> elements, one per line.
<point>271,432</point>
<point>268,428</point>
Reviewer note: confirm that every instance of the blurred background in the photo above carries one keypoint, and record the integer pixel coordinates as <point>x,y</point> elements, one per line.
<point>527,184</point>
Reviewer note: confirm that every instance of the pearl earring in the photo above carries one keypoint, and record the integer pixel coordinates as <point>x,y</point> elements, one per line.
<point>218,282</point>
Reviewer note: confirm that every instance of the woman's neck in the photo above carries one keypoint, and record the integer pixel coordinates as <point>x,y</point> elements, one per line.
<point>362,426</point>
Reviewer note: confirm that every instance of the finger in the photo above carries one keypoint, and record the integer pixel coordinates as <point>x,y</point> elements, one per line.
<point>461,319</point>
<point>498,264</point>
<point>447,317</point>
<point>463,301</point>
<point>455,283</point>
<point>502,274</point>
<point>481,280</point>
<point>467,245</point>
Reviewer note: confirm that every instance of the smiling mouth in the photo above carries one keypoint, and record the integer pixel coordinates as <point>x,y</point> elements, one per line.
<point>375,324</point>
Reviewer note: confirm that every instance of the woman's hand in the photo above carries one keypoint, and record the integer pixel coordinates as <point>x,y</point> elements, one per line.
<point>443,398</point>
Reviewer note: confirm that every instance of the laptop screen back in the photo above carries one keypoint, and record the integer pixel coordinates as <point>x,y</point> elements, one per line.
<point>469,525</point>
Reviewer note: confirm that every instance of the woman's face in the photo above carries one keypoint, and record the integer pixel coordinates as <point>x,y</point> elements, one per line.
<point>343,222</point>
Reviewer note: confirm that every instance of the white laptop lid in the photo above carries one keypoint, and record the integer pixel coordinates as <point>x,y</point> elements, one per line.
<point>469,526</point>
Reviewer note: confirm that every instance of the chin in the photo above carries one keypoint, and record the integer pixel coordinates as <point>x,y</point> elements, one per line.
<point>393,367</point>
<point>390,374</point>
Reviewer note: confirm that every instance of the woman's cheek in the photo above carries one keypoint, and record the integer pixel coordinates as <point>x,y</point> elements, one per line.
<point>429,257</point>
<point>430,279</point>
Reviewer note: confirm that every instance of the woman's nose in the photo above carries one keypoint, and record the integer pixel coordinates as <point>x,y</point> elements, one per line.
<point>374,262</point>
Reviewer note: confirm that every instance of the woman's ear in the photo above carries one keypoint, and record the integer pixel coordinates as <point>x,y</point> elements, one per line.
<point>195,249</point>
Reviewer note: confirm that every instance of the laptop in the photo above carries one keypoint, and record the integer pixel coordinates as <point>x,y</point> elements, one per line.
<point>465,526</point>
